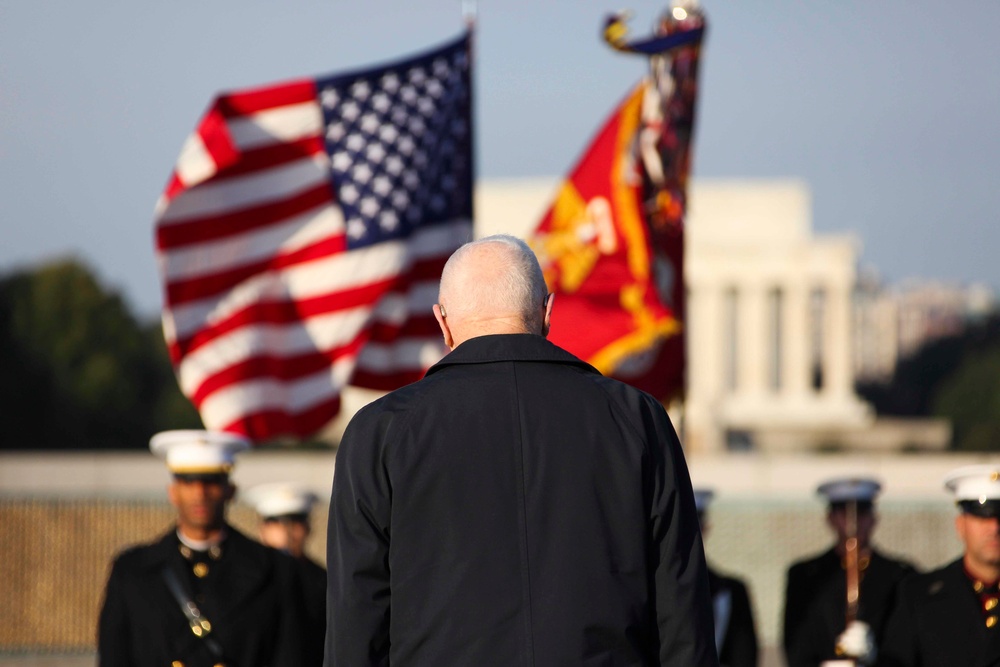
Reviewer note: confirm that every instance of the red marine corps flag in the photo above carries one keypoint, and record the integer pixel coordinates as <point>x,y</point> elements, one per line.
<point>302,237</point>
<point>612,243</point>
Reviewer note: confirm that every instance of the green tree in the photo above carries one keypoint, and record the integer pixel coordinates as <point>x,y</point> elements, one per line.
<point>956,377</point>
<point>78,370</point>
<point>970,398</point>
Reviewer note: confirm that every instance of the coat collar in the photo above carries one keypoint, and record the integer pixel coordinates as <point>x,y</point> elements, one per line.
<point>509,347</point>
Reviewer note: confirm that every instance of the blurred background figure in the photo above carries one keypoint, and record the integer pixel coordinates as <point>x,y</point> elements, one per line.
<point>735,632</point>
<point>819,622</point>
<point>284,510</point>
<point>203,594</point>
<point>950,616</point>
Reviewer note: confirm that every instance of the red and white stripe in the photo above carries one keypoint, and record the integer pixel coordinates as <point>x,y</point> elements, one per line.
<point>267,316</point>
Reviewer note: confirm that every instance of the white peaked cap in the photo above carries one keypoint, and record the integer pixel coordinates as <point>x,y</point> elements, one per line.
<point>198,452</point>
<point>979,482</point>
<point>845,489</point>
<point>702,498</point>
<point>280,499</point>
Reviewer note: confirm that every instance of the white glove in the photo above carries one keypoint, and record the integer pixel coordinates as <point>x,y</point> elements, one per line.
<point>858,642</point>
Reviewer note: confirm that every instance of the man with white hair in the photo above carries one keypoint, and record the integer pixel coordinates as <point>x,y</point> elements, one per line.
<point>514,507</point>
<point>950,616</point>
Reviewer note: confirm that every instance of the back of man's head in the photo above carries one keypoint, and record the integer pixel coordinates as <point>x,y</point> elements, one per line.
<point>493,285</point>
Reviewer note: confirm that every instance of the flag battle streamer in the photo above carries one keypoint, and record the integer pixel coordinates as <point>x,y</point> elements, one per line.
<point>302,235</point>
<point>612,243</point>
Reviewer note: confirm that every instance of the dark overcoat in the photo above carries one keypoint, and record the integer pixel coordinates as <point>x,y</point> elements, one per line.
<point>938,622</point>
<point>515,507</point>
<point>250,596</point>
<point>735,631</point>
<point>816,605</point>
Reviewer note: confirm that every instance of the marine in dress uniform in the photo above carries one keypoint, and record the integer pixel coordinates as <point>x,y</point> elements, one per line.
<point>816,589</point>
<point>203,594</point>
<point>950,617</point>
<point>284,509</point>
<point>735,632</point>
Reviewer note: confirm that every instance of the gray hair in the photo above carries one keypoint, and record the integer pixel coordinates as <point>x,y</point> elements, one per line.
<point>518,288</point>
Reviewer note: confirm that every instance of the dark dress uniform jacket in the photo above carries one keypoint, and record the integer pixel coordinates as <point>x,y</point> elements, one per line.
<point>938,622</point>
<point>735,633</point>
<point>313,580</point>
<point>816,607</point>
<point>250,597</point>
<point>515,507</point>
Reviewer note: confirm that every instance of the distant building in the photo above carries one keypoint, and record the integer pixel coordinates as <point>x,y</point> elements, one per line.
<point>768,323</point>
<point>893,322</point>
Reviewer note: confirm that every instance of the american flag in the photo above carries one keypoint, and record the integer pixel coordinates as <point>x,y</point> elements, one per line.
<point>302,235</point>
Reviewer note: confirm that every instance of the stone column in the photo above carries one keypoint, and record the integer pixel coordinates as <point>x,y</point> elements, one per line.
<point>705,367</point>
<point>796,340</point>
<point>754,354</point>
<point>837,372</point>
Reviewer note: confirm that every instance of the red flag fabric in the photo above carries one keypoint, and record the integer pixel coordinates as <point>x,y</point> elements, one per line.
<point>613,243</point>
<point>302,235</point>
<point>594,246</point>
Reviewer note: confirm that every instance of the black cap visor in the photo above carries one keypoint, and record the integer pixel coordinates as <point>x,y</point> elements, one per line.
<point>205,477</point>
<point>987,509</point>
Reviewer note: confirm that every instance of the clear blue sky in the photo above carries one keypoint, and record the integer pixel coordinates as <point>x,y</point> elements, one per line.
<point>888,109</point>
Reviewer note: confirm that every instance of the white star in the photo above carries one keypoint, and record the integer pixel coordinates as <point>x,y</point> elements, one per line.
<point>369,123</point>
<point>342,161</point>
<point>335,132</point>
<point>440,67</point>
<point>434,88</point>
<point>349,194</point>
<point>420,159</point>
<point>355,142</point>
<point>388,220</point>
<point>410,180</point>
<point>369,207</point>
<point>408,94</point>
<point>350,110</point>
<point>362,173</point>
<point>361,90</point>
<point>375,153</point>
<point>381,102</point>
<point>416,125</point>
<point>356,228</point>
<point>399,116</point>
<point>382,186</point>
<point>388,133</point>
<point>417,75</point>
<point>390,82</point>
<point>426,106</point>
<point>330,97</point>
<point>400,199</point>
<point>406,145</point>
<point>394,165</point>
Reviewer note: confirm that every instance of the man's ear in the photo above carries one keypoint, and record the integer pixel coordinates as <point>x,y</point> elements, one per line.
<point>442,321</point>
<point>549,300</point>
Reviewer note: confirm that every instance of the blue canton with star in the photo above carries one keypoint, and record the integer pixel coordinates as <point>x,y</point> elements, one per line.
<point>399,139</point>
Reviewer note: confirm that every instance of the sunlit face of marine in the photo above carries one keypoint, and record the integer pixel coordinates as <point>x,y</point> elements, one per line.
<point>200,501</point>
<point>981,536</point>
